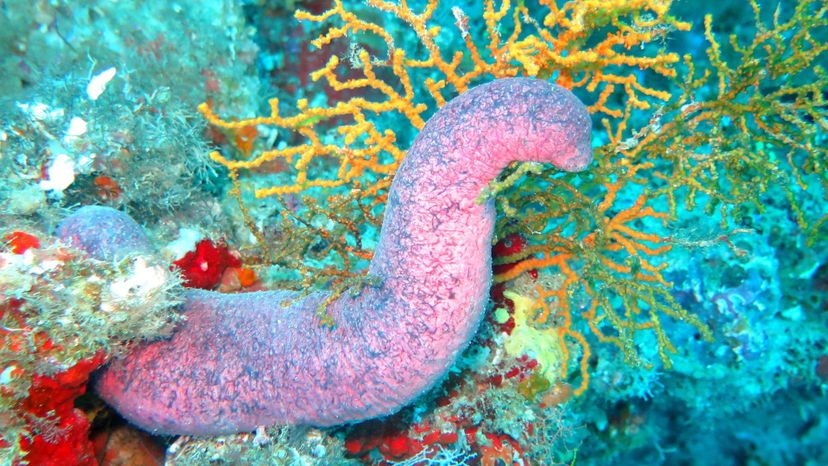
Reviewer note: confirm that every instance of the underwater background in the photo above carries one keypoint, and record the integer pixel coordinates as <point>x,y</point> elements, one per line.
<point>666,306</point>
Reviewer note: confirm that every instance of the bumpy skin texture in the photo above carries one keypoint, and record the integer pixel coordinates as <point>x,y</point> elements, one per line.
<point>104,233</point>
<point>244,360</point>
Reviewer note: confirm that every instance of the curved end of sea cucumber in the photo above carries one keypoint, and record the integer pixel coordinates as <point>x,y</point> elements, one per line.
<point>560,127</point>
<point>104,233</point>
<point>521,119</point>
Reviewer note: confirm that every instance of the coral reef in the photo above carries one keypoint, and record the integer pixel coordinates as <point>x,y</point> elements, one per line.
<point>667,306</point>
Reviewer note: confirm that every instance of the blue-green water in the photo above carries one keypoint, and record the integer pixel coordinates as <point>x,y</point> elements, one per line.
<point>98,105</point>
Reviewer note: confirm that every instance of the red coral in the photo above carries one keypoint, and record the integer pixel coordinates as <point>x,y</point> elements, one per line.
<point>364,438</point>
<point>51,399</point>
<point>108,188</point>
<point>500,300</point>
<point>398,446</point>
<point>20,241</point>
<point>390,437</point>
<point>57,433</point>
<point>71,446</point>
<point>497,449</point>
<point>204,267</point>
<point>511,244</point>
<point>57,392</point>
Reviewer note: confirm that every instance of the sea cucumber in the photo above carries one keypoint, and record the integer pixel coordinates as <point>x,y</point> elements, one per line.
<point>244,360</point>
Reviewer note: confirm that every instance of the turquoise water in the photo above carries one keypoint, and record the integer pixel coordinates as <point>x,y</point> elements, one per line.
<point>98,106</point>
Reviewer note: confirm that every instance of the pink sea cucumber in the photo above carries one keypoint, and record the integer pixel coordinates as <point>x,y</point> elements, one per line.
<point>244,360</point>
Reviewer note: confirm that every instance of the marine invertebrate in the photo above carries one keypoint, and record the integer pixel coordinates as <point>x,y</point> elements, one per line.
<point>239,361</point>
<point>61,436</point>
<point>204,267</point>
<point>20,241</point>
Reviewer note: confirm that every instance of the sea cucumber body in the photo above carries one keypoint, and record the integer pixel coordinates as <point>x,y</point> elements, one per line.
<point>244,360</point>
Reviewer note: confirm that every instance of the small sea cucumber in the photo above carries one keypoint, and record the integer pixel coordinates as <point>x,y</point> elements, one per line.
<point>244,360</point>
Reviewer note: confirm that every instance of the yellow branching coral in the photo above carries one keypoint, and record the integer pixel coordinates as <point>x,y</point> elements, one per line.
<point>757,135</point>
<point>604,233</point>
<point>546,44</point>
<point>761,129</point>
